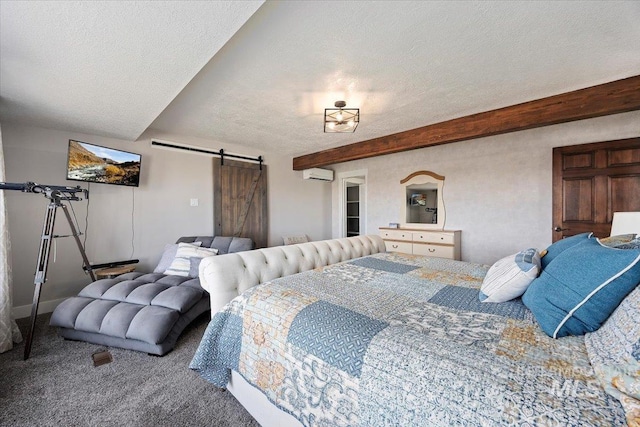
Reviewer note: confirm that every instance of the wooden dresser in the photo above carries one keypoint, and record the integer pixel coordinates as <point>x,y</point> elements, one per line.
<point>437,243</point>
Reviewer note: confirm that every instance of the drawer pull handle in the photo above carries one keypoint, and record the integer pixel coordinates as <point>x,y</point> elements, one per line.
<point>431,250</point>
<point>394,246</point>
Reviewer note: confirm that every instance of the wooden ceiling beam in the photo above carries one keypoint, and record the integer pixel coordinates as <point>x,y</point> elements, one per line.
<point>610,98</point>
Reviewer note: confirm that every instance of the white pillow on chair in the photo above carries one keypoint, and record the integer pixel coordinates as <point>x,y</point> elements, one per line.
<point>292,240</point>
<point>181,264</point>
<point>168,255</point>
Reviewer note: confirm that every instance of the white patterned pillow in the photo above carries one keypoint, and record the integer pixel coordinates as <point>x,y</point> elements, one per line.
<point>168,255</point>
<point>293,240</point>
<point>181,264</point>
<point>510,277</point>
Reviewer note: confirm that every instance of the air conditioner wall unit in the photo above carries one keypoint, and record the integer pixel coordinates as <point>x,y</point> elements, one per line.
<point>319,174</point>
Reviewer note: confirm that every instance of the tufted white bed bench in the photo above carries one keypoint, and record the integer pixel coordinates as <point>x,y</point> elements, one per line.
<point>227,276</point>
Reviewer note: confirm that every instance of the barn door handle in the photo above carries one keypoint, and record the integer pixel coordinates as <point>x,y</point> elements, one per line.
<point>560,229</point>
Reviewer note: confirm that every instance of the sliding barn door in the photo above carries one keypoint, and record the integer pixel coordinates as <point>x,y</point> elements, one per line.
<point>240,200</point>
<point>591,182</point>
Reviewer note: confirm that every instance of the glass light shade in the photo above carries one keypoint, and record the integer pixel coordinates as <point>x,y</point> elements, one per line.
<point>341,119</point>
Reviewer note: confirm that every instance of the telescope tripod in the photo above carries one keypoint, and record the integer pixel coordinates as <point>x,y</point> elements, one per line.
<point>56,194</point>
<point>55,202</point>
<point>43,257</point>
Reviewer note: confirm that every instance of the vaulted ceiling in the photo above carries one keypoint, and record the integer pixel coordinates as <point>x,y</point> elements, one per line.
<point>260,74</point>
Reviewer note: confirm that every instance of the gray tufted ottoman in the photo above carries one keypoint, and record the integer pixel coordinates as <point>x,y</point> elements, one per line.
<point>138,311</point>
<point>144,312</point>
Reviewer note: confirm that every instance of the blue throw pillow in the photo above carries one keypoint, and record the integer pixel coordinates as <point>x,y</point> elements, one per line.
<point>560,246</point>
<point>581,287</point>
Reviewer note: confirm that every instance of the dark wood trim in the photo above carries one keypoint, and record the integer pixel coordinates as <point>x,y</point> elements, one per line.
<point>610,98</point>
<point>418,173</point>
<point>617,144</point>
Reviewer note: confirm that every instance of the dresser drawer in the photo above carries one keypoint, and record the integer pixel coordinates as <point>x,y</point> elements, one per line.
<point>434,237</point>
<point>404,247</point>
<point>396,235</point>
<point>433,250</point>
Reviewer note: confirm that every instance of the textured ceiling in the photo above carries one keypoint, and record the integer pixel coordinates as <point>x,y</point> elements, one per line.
<point>404,64</point>
<point>106,67</point>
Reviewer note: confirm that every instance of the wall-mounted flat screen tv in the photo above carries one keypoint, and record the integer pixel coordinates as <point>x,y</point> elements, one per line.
<point>94,163</point>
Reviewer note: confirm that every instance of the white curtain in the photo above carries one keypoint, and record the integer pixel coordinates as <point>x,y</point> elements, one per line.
<point>9,332</point>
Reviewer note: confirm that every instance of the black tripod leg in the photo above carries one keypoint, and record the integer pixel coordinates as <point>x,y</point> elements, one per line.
<point>76,236</point>
<point>34,314</point>
<point>41,270</point>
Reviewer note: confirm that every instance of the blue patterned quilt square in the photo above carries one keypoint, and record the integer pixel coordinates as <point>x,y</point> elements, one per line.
<point>466,299</point>
<point>388,266</point>
<point>334,334</point>
<point>224,335</point>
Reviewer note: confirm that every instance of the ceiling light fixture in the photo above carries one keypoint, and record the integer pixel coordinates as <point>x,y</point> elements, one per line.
<point>341,119</point>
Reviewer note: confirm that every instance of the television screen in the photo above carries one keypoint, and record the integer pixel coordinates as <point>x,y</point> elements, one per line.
<point>93,163</point>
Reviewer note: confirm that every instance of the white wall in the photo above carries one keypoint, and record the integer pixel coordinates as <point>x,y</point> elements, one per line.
<point>497,189</point>
<point>149,216</point>
<point>295,205</point>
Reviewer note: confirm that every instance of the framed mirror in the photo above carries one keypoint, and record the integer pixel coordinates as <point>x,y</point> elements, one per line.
<point>422,202</point>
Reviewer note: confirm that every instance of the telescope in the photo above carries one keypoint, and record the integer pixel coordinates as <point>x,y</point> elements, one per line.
<point>56,194</point>
<point>66,193</point>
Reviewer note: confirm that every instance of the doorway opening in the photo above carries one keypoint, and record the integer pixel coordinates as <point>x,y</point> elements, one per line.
<point>353,204</point>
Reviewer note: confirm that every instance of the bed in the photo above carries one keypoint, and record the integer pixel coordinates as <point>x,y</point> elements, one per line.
<point>394,339</point>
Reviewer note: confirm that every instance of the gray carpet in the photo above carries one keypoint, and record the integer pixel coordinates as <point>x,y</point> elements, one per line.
<point>58,385</point>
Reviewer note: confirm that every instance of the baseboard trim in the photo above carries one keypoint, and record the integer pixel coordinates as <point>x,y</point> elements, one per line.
<point>44,307</point>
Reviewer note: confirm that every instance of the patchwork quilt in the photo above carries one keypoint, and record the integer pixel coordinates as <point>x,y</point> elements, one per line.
<point>401,340</point>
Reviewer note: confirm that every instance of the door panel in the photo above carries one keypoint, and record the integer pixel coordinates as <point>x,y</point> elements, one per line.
<point>578,199</point>
<point>591,182</point>
<point>578,161</point>
<point>624,157</point>
<point>240,200</point>
<point>621,187</point>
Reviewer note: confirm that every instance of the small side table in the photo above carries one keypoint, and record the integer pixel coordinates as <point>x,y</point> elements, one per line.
<point>110,273</point>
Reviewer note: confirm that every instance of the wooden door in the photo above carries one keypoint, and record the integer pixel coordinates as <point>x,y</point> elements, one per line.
<point>240,200</point>
<point>591,182</point>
